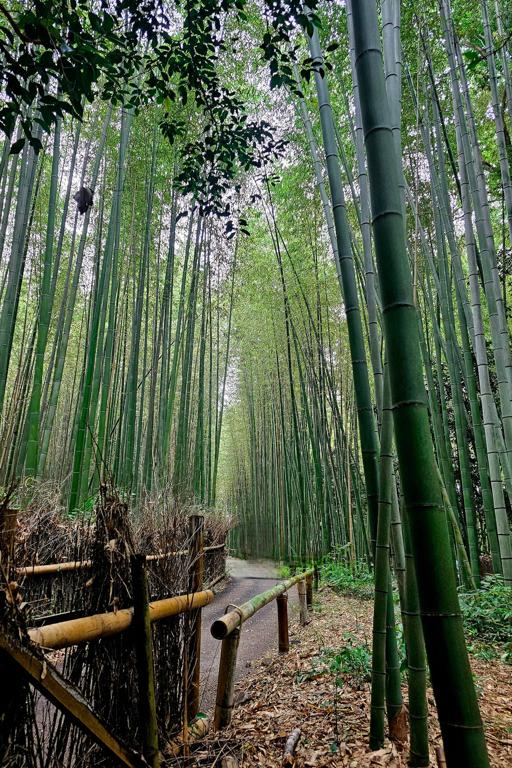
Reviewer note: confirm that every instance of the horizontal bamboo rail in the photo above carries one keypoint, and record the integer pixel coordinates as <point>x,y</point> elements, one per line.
<point>81,565</point>
<point>223,627</point>
<point>76,631</point>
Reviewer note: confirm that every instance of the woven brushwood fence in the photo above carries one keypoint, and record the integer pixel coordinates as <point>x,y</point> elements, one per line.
<point>97,580</point>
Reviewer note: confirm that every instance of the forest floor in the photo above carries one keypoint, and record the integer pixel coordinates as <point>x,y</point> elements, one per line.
<point>305,689</point>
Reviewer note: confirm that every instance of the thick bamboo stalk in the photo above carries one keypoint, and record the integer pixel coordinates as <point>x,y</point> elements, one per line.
<point>67,633</point>
<point>223,627</point>
<point>143,641</point>
<point>457,704</point>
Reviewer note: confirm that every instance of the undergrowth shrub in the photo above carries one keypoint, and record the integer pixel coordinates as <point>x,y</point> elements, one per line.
<point>351,663</point>
<point>487,615</point>
<point>355,580</point>
<point>353,660</point>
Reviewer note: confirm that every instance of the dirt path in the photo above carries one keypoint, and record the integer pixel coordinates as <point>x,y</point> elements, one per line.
<point>248,578</point>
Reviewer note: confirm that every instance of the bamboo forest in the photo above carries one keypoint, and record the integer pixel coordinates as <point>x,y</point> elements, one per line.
<point>255,346</point>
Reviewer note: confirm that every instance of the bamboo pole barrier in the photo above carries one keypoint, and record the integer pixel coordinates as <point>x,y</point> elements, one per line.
<point>301,589</point>
<point>196,585</point>
<point>309,590</point>
<point>222,627</point>
<point>143,642</point>
<point>79,565</point>
<point>282,623</point>
<point>228,628</point>
<point>54,568</point>
<point>226,683</point>
<point>75,631</point>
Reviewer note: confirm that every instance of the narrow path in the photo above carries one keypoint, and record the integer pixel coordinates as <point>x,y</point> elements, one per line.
<point>248,578</point>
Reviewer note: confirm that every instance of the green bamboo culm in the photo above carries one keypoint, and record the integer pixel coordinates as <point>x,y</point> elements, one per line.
<point>365,414</point>
<point>452,681</point>
<point>383,676</point>
<point>44,313</point>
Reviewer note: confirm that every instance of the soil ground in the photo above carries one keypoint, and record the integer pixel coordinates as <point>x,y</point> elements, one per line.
<point>280,693</point>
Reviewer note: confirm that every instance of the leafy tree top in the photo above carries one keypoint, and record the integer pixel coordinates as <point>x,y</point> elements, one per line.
<point>57,56</point>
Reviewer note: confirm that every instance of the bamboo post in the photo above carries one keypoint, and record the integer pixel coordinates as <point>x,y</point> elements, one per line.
<point>316,577</point>
<point>15,689</point>
<point>309,590</point>
<point>226,682</point>
<point>8,518</point>
<point>282,623</point>
<point>196,584</point>
<point>143,641</point>
<point>301,588</point>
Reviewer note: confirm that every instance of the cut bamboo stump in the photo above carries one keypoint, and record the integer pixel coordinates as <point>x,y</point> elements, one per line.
<point>440,758</point>
<point>226,682</point>
<point>282,623</point>
<point>316,578</point>
<point>143,641</point>
<point>290,747</point>
<point>309,590</point>
<point>196,585</point>
<point>301,588</point>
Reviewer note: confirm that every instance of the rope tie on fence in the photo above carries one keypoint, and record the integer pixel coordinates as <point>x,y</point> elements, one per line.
<point>232,607</point>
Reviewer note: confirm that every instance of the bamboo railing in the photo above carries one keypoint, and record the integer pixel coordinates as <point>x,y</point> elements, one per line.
<point>227,628</point>
<point>53,568</point>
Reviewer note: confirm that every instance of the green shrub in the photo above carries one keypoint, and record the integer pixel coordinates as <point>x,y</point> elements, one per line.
<point>487,614</point>
<point>353,660</point>
<point>284,571</point>
<point>340,576</point>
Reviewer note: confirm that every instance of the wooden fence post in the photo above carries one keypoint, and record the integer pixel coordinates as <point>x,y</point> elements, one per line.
<point>301,588</point>
<point>316,577</point>
<point>309,590</point>
<point>143,641</point>
<point>226,682</point>
<point>196,549</point>
<point>282,622</point>
<point>8,518</point>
